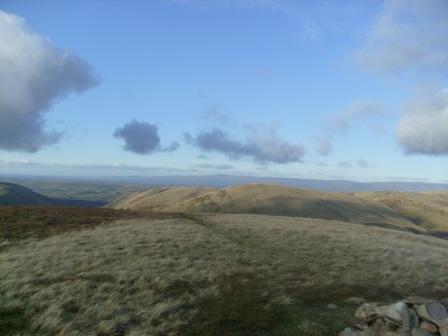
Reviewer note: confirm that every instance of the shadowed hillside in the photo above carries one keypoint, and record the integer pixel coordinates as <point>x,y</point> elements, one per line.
<point>266,199</point>
<point>427,209</point>
<point>14,194</point>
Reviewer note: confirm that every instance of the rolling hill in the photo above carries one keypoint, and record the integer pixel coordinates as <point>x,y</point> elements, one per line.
<point>428,209</point>
<point>269,200</point>
<point>159,199</point>
<point>16,195</point>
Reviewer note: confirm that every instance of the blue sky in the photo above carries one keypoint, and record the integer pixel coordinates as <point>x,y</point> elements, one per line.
<point>309,89</point>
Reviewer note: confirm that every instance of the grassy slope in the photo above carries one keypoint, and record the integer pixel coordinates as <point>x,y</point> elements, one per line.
<point>159,199</point>
<point>13,194</point>
<point>266,199</point>
<point>199,275</point>
<point>428,209</point>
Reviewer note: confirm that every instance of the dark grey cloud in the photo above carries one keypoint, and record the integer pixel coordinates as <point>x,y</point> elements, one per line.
<point>142,138</point>
<point>34,75</point>
<point>423,128</point>
<point>262,148</point>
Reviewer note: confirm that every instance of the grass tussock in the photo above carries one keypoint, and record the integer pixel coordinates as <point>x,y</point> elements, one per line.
<point>229,275</point>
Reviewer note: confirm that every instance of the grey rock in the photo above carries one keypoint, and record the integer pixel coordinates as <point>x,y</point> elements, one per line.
<point>420,332</point>
<point>417,300</point>
<point>366,311</point>
<point>396,312</point>
<point>429,327</point>
<point>433,312</point>
<point>349,332</point>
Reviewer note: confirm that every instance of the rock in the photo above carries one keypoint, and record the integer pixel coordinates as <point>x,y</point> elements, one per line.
<point>413,316</point>
<point>366,311</point>
<point>410,321</point>
<point>396,312</point>
<point>429,327</point>
<point>420,332</point>
<point>332,306</point>
<point>433,312</point>
<point>417,300</point>
<point>349,332</point>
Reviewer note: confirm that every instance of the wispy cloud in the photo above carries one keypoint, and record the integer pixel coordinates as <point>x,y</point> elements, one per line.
<point>210,166</point>
<point>324,147</point>
<point>360,163</point>
<point>408,35</point>
<point>367,112</point>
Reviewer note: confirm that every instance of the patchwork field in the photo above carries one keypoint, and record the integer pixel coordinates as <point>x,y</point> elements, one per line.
<point>221,274</point>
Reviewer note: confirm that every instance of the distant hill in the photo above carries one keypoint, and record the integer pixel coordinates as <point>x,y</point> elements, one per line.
<point>159,199</point>
<point>267,199</point>
<point>15,195</point>
<point>222,181</point>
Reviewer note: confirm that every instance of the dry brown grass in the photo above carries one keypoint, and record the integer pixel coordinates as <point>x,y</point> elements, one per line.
<point>429,210</point>
<point>22,222</point>
<point>210,275</point>
<point>267,199</point>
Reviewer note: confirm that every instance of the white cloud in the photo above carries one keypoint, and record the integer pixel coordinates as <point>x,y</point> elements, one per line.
<point>424,126</point>
<point>34,75</point>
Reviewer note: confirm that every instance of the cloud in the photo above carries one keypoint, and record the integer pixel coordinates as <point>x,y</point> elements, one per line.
<point>345,165</point>
<point>360,163</point>
<point>34,75</point>
<point>363,163</point>
<point>357,111</point>
<point>408,35</point>
<point>214,166</point>
<point>142,138</point>
<point>411,37</point>
<point>43,167</point>
<point>262,148</point>
<point>324,147</point>
<point>423,127</point>
<point>214,115</point>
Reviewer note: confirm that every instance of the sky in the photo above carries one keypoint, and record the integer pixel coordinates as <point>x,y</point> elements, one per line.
<point>289,88</point>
